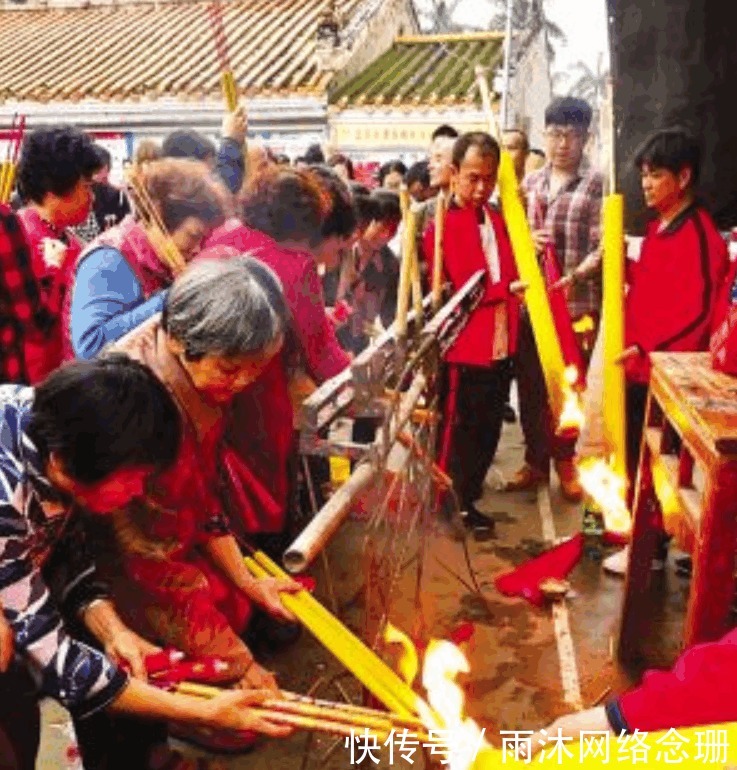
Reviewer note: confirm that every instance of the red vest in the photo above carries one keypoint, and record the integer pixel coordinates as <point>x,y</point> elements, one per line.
<point>130,239</point>
<point>463,255</point>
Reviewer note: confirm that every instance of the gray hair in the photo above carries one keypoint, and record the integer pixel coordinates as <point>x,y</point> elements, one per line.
<point>227,307</point>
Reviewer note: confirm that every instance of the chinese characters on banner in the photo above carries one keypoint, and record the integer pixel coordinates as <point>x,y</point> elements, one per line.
<point>707,747</point>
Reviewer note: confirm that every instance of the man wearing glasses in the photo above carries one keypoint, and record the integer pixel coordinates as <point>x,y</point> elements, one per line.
<point>563,208</point>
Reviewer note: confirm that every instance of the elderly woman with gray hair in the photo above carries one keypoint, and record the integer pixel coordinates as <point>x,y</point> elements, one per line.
<point>181,576</point>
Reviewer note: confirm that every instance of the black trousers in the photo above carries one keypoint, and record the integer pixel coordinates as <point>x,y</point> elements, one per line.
<point>636,403</point>
<point>480,396</point>
<point>541,443</point>
<point>20,720</point>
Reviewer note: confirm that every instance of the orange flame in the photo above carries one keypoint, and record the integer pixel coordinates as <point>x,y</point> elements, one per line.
<point>571,416</point>
<point>461,737</point>
<point>408,664</point>
<point>607,489</point>
<point>666,494</point>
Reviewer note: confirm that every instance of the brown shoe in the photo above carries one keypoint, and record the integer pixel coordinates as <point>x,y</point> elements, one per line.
<point>525,478</point>
<point>569,483</point>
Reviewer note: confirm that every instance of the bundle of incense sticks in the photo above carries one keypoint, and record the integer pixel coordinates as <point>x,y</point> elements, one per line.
<point>7,172</point>
<point>165,248</point>
<point>322,716</point>
<point>230,91</point>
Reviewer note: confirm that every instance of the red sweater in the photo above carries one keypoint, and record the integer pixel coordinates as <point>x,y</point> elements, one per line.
<point>674,289</point>
<point>698,690</point>
<point>463,255</point>
<point>297,271</point>
<point>262,424</point>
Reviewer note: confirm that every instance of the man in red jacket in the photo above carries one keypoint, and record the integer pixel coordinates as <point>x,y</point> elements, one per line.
<point>475,239</point>
<point>674,287</point>
<point>675,284</point>
<point>697,691</point>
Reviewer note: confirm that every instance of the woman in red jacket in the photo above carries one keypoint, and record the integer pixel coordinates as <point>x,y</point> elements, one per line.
<point>283,213</point>
<point>475,238</point>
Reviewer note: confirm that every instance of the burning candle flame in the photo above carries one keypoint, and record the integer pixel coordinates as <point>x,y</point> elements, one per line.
<point>461,736</point>
<point>571,416</point>
<point>409,663</point>
<point>607,489</point>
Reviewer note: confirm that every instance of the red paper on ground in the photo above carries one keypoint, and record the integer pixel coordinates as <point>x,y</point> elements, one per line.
<point>556,563</point>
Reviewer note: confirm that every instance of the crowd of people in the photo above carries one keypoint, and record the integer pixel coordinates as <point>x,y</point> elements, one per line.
<point>148,411</point>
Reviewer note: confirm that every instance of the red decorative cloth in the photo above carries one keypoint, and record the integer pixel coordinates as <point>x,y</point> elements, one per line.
<point>562,316</point>
<point>555,563</point>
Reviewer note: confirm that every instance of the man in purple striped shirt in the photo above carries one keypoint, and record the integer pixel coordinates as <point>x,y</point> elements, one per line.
<point>563,208</point>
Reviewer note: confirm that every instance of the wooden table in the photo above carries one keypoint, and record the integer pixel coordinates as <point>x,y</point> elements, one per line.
<point>689,462</point>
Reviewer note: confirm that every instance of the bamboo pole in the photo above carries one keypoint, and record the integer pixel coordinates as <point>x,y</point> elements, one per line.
<point>405,270</point>
<point>328,519</point>
<point>437,264</point>
<point>416,280</point>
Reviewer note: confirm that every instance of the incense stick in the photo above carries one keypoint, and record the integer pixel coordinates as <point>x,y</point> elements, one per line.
<point>7,172</point>
<point>230,90</point>
<point>166,250</point>
<point>320,716</point>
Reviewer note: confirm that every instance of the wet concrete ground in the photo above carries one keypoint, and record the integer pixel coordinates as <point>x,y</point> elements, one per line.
<point>516,673</point>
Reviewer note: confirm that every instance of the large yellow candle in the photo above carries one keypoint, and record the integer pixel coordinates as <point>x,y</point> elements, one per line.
<point>405,269</point>
<point>360,660</point>
<point>613,330</point>
<point>536,296</point>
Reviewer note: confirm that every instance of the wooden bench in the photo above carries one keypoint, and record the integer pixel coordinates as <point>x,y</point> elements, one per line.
<point>689,462</point>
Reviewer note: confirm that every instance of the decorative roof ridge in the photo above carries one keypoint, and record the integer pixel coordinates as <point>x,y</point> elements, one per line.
<point>451,37</point>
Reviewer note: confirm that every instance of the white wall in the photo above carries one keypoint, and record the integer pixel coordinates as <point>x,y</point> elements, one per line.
<point>531,91</point>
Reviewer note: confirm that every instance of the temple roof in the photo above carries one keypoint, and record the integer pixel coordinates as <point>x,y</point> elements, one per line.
<point>424,70</point>
<point>146,51</point>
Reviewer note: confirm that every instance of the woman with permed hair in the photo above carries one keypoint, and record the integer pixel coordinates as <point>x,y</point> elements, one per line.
<point>121,280</point>
<point>55,183</point>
